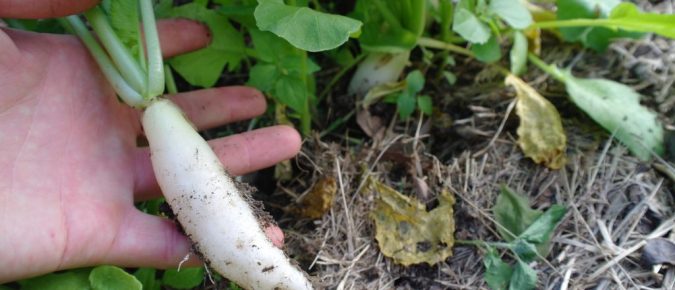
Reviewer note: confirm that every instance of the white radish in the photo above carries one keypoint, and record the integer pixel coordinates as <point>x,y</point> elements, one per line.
<point>209,205</point>
<point>376,69</point>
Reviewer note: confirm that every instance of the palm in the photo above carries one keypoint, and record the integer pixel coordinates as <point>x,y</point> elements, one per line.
<point>69,164</point>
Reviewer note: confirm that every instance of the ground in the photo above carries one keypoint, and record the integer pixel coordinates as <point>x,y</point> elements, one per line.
<point>615,202</point>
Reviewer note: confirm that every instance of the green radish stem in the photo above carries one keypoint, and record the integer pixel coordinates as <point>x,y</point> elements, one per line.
<point>130,96</point>
<point>120,55</point>
<point>155,60</point>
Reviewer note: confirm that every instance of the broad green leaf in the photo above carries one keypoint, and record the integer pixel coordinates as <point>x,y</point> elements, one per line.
<point>616,107</point>
<point>540,134</point>
<point>124,20</point>
<point>513,12</point>
<point>406,231</point>
<point>69,280</point>
<point>292,91</point>
<point>263,76</point>
<point>597,38</point>
<point>512,211</point>
<point>186,278</point>
<point>147,278</point>
<point>467,24</point>
<point>203,67</point>
<point>497,273</point>
<point>524,250</point>
<point>489,51</point>
<point>425,105</point>
<point>112,278</point>
<point>303,27</point>
<point>540,231</point>
<point>518,54</point>
<point>523,278</point>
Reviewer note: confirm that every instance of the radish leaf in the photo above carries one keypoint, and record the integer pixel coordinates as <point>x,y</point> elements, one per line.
<point>497,273</point>
<point>523,278</point>
<point>616,107</point>
<point>597,38</point>
<point>124,20</point>
<point>186,278</point>
<point>303,27</point>
<point>489,51</point>
<point>112,278</point>
<point>512,12</point>
<point>470,27</point>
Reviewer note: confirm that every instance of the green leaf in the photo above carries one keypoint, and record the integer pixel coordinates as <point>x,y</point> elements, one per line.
<point>513,12</point>
<point>524,277</point>
<point>450,77</point>
<point>513,213</point>
<point>69,280</point>
<point>415,82</point>
<point>425,105</point>
<point>497,273</point>
<point>597,38</point>
<point>467,24</point>
<point>124,20</point>
<point>263,76</point>
<point>489,51</point>
<point>147,278</point>
<point>627,16</point>
<point>226,50</point>
<point>524,250</point>
<point>540,231</point>
<point>292,92</point>
<point>303,27</point>
<point>405,104</point>
<point>113,278</point>
<point>616,107</point>
<point>518,54</point>
<point>186,278</point>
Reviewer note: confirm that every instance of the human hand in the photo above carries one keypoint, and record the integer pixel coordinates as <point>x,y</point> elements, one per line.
<point>70,170</point>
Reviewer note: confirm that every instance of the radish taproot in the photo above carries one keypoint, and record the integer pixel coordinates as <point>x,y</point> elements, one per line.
<point>208,203</point>
<point>210,207</point>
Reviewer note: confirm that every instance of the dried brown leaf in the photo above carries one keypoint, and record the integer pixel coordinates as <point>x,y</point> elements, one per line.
<point>540,134</point>
<point>406,232</point>
<point>319,199</point>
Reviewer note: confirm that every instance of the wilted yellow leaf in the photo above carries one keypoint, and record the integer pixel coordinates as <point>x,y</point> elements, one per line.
<point>540,134</point>
<point>409,234</point>
<point>319,199</point>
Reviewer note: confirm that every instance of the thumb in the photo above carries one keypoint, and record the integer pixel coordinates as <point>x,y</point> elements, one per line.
<point>34,9</point>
